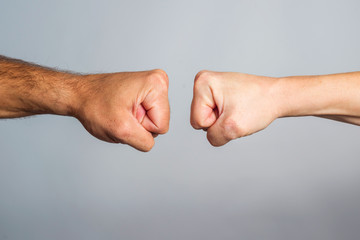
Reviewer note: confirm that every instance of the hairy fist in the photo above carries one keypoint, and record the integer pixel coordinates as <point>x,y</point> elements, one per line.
<point>130,108</point>
<point>232,105</point>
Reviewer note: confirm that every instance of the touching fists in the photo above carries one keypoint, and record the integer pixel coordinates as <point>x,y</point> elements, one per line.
<point>130,108</point>
<point>232,105</point>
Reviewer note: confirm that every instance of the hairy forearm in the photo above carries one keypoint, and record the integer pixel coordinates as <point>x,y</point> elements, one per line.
<point>27,89</point>
<point>333,96</point>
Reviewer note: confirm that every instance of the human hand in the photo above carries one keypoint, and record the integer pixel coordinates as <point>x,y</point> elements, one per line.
<point>129,107</point>
<point>232,105</point>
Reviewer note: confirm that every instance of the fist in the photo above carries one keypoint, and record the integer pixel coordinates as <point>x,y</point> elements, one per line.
<point>232,105</point>
<point>130,108</point>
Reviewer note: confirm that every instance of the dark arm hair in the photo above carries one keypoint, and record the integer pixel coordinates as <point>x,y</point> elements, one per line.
<point>27,89</point>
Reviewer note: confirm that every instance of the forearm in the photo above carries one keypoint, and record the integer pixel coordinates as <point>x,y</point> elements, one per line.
<point>27,89</point>
<point>332,96</point>
<point>342,118</point>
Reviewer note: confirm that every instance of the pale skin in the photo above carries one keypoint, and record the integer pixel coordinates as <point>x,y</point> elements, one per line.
<point>233,105</point>
<point>126,107</point>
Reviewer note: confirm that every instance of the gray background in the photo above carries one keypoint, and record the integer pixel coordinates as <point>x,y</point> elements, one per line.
<point>298,179</point>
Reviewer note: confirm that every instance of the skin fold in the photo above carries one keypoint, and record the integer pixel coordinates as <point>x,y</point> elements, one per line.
<point>128,107</point>
<point>232,105</point>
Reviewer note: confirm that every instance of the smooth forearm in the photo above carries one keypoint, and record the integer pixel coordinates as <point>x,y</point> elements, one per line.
<point>27,89</point>
<point>342,118</point>
<point>327,95</point>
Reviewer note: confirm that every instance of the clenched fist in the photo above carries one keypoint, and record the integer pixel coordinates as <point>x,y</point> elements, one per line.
<point>130,107</point>
<point>232,105</point>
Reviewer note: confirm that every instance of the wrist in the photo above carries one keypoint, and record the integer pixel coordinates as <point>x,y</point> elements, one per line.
<point>290,96</point>
<point>62,97</point>
<point>83,88</point>
<point>280,96</point>
<point>275,94</point>
<point>72,94</point>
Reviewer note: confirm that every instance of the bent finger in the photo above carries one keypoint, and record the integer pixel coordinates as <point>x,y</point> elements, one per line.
<point>135,135</point>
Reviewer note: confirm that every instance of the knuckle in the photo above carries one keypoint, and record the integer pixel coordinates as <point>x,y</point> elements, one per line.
<point>164,128</point>
<point>213,140</point>
<point>204,75</point>
<point>159,77</point>
<point>201,74</point>
<point>147,147</point>
<point>164,121</point>
<point>232,129</point>
<point>203,78</point>
<point>196,122</point>
<point>122,131</point>
<point>214,143</point>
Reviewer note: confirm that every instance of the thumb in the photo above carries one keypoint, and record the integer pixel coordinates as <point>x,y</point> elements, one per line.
<point>134,134</point>
<point>225,129</point>
<point>204,111</point>
<point>155,115</point>
<point>155,105</point>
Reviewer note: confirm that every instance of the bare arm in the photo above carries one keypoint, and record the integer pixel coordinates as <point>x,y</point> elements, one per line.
<point>334,96</point>
<point>345,119</point>
<point>127,107</point>
<point>233,105</point>
<point>27,89</point>
<point>348,80</point>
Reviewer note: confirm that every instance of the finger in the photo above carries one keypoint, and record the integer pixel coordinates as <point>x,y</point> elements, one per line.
<point>141,116</point>
<point>157,117</point>
<point>134,134</point>
<point>215,134</point>
<point>140,113</point>
<point>223,130</point>
<point>204,111</point>
<point>150,125</point>
<point>146,121</point>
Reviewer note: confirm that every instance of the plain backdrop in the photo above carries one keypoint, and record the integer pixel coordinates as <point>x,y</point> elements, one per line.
<point>297,179</point>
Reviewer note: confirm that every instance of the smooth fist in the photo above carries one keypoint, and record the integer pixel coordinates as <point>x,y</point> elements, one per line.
<point>232,105</point>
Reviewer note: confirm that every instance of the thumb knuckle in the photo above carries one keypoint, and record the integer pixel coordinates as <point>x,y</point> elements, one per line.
<point>232,129</point>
